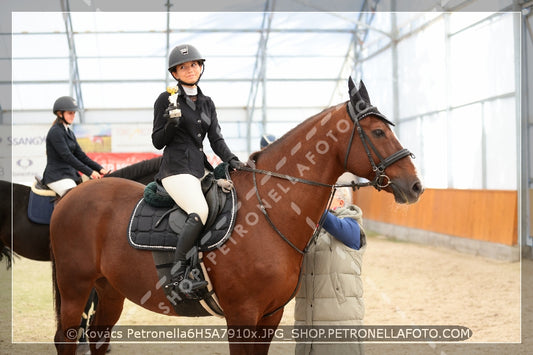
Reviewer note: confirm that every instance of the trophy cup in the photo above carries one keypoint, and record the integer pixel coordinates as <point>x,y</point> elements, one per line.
<point>173,110</point>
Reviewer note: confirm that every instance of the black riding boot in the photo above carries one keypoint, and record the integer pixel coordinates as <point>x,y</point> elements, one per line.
<point>191,229</point>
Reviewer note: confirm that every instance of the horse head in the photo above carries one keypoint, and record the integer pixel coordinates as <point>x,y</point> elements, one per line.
<point>389,166</point>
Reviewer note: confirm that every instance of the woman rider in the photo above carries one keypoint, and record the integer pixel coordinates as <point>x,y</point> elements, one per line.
<point>184,163</point>
<point>64,156</point>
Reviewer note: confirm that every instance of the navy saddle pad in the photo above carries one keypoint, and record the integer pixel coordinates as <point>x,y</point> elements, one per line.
<point>40,208</point>
<point>157,228</point>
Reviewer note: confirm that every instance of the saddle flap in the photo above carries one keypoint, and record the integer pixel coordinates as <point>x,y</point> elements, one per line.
<point>216,199</point>
<point>176,220</point>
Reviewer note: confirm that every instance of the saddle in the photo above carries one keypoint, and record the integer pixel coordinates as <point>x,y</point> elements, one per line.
<point>157,222</point>
<point>40,203</point>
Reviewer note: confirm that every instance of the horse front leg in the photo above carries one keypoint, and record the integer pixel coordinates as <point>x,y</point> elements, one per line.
<point>251,335</point>
<point>241,325</point>
<point>266,329</point>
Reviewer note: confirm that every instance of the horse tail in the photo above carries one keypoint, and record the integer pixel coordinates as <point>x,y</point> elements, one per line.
<point>57,295</point>
<point>8,253</point>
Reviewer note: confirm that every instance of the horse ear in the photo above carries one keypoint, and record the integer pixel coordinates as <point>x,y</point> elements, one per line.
<point>359,94</point>
<point>361,102</point>
<point>363,93</point>
<point>351,86</point>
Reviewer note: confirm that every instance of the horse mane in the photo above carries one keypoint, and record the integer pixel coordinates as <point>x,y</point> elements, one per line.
<point>256,155</point>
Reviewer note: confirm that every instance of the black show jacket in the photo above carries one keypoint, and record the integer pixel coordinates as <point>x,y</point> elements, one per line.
<point>64,156</point>
<point>184,153</point>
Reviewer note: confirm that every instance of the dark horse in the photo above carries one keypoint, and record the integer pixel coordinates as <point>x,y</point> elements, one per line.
<point>256,273</point>
<point>32,240</point>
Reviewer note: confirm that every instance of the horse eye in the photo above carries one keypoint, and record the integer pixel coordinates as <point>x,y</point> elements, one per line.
<point>378,133</point>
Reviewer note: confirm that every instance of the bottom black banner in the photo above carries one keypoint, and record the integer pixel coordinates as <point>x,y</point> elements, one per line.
<point>316,334</point>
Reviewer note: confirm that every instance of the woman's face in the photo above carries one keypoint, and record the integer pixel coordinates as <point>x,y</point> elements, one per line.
<point>336,203</point>
<point>188,72</point>
<point>68,116</point>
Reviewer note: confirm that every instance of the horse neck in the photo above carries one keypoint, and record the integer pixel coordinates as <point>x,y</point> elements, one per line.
<point>312,152</point>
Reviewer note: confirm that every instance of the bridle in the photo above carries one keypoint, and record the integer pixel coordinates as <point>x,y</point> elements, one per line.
<point>378,169</point>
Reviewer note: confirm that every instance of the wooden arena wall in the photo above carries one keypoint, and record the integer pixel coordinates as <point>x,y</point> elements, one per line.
<point>486,215</point>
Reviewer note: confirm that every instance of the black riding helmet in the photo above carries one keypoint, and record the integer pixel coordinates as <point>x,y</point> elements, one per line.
<point>182,54</point>
<point>65,103</point>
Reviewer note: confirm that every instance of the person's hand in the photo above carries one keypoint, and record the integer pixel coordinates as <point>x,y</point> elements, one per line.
<point>173,114</point>
<point>104,171</point>
<point>95,175</point>
<point>226,185</point>
<point>235,164</point>
<point>172,125</point>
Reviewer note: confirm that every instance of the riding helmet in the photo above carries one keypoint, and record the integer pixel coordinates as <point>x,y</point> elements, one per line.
<point>182,54</point>
<point>65,103</point>
<point>266,139</point>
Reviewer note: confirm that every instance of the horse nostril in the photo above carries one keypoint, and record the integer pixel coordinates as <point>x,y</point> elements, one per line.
<point>417,188</point>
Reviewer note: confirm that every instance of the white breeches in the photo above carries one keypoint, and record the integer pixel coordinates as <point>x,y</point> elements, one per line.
<point>186,191</point>
<point>61,186</point>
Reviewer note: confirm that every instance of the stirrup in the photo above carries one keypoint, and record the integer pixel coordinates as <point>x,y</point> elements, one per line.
<point>186,285</point>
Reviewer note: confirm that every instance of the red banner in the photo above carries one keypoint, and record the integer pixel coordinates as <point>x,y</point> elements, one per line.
<point>115,161</point>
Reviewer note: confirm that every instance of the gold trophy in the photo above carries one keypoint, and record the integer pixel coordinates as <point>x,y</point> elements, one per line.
<point>173,109</point>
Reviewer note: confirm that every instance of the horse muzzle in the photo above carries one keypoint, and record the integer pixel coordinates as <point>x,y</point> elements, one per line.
<point>406,191</point>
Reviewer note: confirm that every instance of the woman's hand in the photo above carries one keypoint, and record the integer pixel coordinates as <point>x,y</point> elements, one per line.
<point>104,171</point>
<point>235,164</point>
<point>226,185</point>
<point>95,175</point>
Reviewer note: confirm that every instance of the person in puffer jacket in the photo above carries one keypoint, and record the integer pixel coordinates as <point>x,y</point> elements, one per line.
<point>331,291</point>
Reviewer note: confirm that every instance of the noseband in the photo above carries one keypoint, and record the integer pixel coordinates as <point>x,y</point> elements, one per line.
<point>381,180</point>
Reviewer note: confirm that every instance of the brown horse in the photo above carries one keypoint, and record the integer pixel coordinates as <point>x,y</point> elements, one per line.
<point>32,240</point>
<point>256,273</point>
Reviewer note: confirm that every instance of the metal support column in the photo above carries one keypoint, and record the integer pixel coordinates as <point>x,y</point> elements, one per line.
<point>259,76</point>
<point>522,32</point>
<point>74,79</point>
<point>353,60</point>
<point>168,6</point>
<point>395,80</point>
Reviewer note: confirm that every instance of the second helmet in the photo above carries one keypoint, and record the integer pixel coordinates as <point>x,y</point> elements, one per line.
<point>65,103</point>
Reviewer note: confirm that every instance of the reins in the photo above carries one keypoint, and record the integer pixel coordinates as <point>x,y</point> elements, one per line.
<point>263,209</point>
<point>303,181</point>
